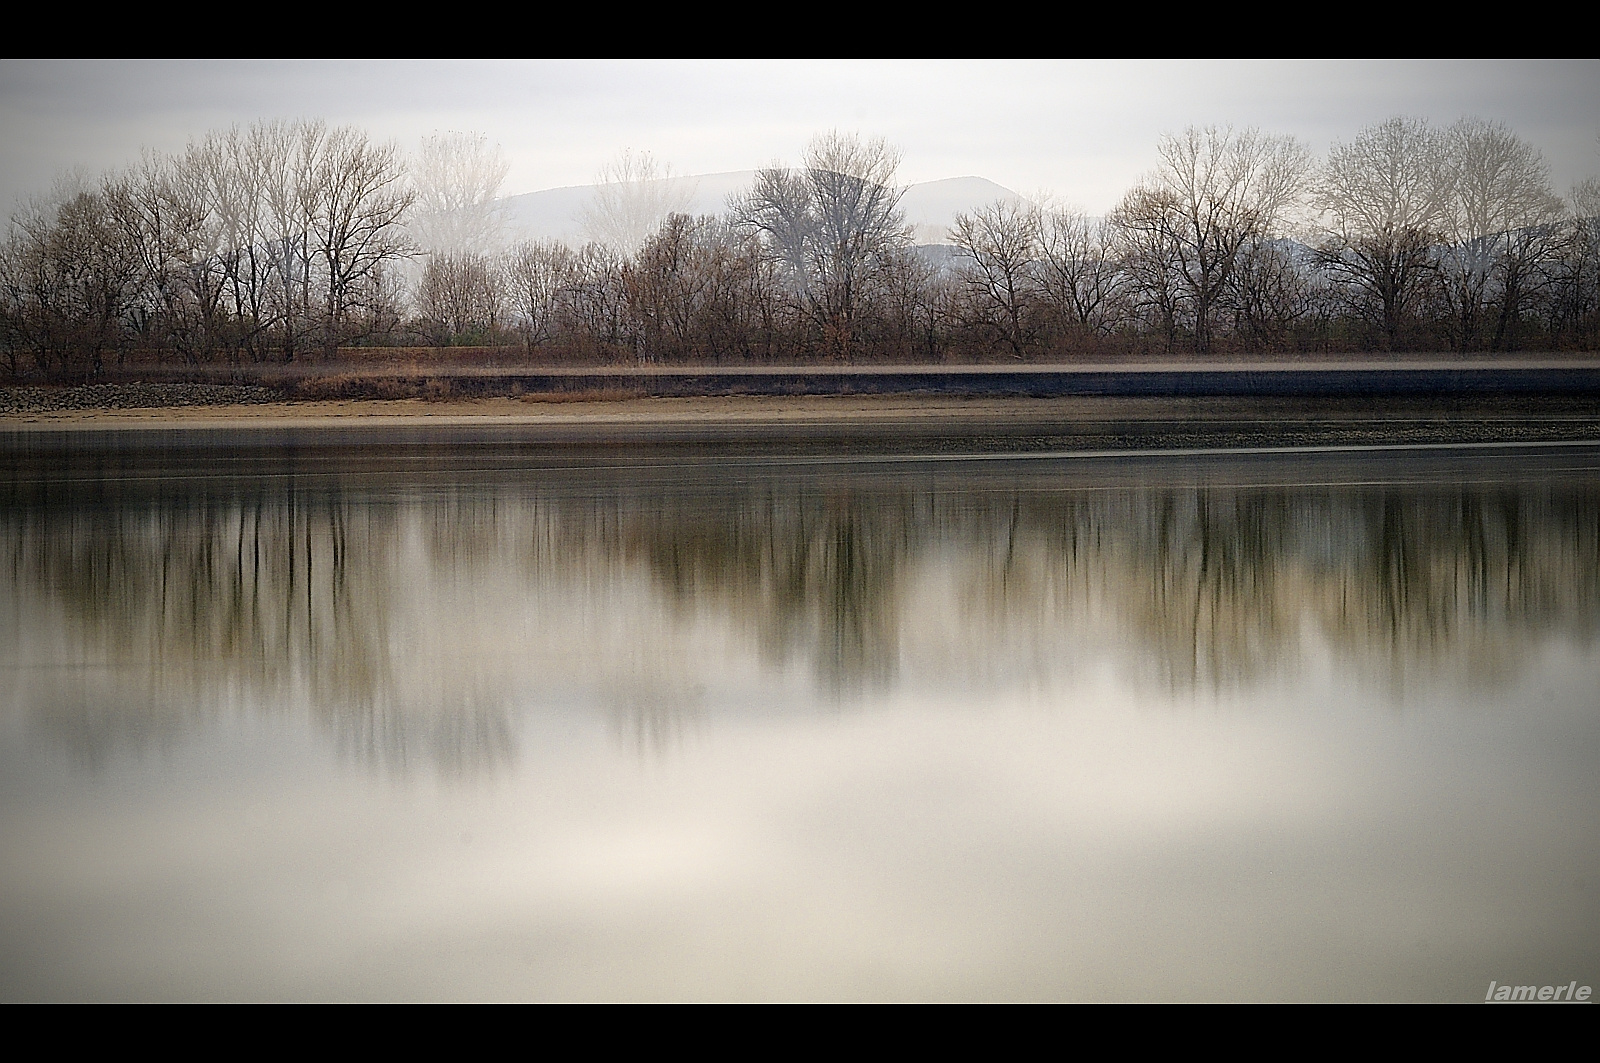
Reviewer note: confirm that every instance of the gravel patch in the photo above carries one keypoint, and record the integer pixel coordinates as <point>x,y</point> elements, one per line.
<point>140,396</point>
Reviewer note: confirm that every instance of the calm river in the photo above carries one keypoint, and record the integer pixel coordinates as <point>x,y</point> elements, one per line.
<point>422,721</point>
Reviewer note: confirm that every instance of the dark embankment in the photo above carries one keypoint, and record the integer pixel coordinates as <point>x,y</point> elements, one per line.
<point>1438,377</point>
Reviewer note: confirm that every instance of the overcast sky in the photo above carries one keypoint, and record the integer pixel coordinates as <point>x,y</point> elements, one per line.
<point>1084,130</point>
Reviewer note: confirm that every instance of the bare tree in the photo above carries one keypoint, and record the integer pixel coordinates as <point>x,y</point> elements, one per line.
<point>700,289</point>
<point>1576,302</point>
<point>160,217</point>
<point>1385,196</point>
<point>1000,246</point>
<point>913,302</point>
<point>1500,224</point>
<point>223,170</point>
<point>1146,232</point>
<point>832,225</point>
<point>634,194</point>
<point>285,159</point>
<point>215,192</point>
<point>595,298</point>
<point>778,206</point>
<point>362,199</point>
<point>1079,276</point>
<point>71,286</point>
<point>461,297</point>
<point>1214,192</point>
<point>1270,292</point>
<point>667,286</point>
<point>857,226</point>
<point>536,276</point>
<point>457,177</point>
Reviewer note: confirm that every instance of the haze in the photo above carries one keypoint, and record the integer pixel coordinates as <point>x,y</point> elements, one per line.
<point>1084,130</point>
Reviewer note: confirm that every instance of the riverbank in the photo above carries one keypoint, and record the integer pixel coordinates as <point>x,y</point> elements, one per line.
<point>876,424</point>
<point>1429,379</point>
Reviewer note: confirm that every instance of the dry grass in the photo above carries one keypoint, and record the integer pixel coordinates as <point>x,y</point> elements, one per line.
<point>357,386</point>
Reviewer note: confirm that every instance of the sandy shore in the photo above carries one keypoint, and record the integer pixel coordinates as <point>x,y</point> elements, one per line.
<point>755,410</point>
<point>742,409</point>
<point>859,425</point>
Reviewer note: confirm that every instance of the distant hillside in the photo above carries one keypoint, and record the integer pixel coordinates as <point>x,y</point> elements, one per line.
<point>930,207</point>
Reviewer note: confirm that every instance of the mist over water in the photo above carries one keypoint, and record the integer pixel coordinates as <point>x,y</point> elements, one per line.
<point>402,723</point>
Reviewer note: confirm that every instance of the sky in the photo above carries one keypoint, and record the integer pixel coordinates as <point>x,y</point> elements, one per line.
<point>1082,130</point>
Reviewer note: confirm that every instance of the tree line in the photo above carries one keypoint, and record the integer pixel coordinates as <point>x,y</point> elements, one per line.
<point>289,240</point>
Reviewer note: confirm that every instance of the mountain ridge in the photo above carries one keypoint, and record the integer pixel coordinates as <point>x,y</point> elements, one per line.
<point>930,207</point>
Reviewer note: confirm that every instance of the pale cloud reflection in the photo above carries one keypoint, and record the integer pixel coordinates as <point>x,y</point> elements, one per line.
<point>1099,847</point>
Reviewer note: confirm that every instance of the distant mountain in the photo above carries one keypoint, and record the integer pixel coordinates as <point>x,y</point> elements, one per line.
<point>930,207</point>
<point>553,214</point>
<point>557,213</point>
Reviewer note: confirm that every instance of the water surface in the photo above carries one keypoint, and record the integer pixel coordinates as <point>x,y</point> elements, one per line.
<point>428,722</point>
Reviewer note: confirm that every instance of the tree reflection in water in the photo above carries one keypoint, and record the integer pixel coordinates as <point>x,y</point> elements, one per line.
<point>413,624</point>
